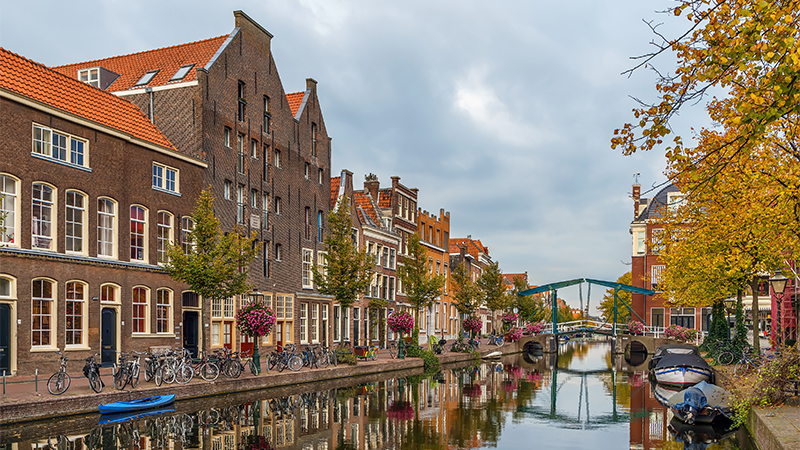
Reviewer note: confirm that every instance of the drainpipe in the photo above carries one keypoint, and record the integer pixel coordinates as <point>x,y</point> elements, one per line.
<point>149,90</point>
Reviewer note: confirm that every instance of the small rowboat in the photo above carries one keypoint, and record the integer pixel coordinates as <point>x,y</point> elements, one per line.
<point>107,419</point>
<point>680,365</point>
<point>155,401</point>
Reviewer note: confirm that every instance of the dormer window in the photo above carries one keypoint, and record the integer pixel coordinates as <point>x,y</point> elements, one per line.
<point>90,76</point>
<point>146,78</point>
<point>675,200</point>
<point>181,73</point>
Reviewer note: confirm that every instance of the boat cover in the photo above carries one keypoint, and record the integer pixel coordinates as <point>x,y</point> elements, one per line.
<point>673,349</point>
<point>702,403</point>
<point>681,360</point>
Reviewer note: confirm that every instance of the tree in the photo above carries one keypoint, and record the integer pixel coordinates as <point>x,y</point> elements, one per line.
<point>421,285</point>
<point>742,179</point>
<point>493,290</point>
<point>465,292</point>
<point>606,306</point>
<point>348,271</point>
<point>215,265</point>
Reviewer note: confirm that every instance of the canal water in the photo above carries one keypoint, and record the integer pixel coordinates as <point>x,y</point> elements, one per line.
<point>583,398</point>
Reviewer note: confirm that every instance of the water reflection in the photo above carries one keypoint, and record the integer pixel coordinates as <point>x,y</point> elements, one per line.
<point>580,398</point>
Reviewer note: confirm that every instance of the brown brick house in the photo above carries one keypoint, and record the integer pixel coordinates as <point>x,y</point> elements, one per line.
<point>268,157</point>
<point>91,192</point>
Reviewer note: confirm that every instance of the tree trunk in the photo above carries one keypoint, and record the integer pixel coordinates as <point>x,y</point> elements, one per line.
<point>754,289</point>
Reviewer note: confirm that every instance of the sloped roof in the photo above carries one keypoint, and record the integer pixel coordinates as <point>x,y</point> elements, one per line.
<point>474,247</point>
<point>334,190</point>
<point>510,277</point>
<point>657,205</point>
<point>385,198</point>
<point>364,204</point>
<point>41,84</point>
<point>166,60</point>
<point>295,99</point>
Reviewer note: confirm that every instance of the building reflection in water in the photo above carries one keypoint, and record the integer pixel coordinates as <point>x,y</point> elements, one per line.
<point>465,407</point>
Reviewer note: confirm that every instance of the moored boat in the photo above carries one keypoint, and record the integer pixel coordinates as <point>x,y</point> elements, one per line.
<point>702,403</point>
<point>680,365</point>
<point>155,401</point>
<point>106,419</point>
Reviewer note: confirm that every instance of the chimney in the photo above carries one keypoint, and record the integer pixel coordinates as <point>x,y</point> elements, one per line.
<point>372,185</point>
<point>637,192</point>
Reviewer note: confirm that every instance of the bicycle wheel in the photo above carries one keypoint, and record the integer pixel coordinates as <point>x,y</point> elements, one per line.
<point>58,383</point>
<point>272,359</point>
<point>741,368</point>
<point>233,369</point>
<point>149,370</point>
<point>254,368</point>
<point>133,378</point>
<point>158,377</point>
<point>168,374</point>
<point>209,371</point>
<point>500,341</point>
<point>282,363</point>
<point>333,358</point>
<point>94,382</point>
<point>374,354</point>
<point>184,374</point>
<point>295,363</point>
<point>120,378</point>
<point>323,360</point>
<point>725,358</point>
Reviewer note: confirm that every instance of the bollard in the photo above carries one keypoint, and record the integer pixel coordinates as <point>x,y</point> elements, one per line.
<point>36,379</point>
<point>4,384</point>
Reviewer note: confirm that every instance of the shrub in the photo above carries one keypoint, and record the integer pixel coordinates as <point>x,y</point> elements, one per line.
<point>682,334</point>
<point>346,356</point>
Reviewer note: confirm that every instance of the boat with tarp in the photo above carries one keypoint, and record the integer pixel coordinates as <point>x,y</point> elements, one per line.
<point>680,365</point>
<point>702,403</point>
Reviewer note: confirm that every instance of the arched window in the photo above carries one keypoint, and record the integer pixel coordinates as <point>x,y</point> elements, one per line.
<point>9,207</point>
<point>164,236</point>
<point>106,227</point>
<point>109,293</point>
<point>42,313</point>
<point>138,233</point>
<point>75,221</point>
<point>187,225</point>
<point>43,217</point>
<point>140,301</point>
<point>75,314</point>
<point>163,311</point>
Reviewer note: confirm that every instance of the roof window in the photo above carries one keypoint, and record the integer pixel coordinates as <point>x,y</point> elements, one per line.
<point>90,76</point>
<point>146,78</point>
<point>181,72</point>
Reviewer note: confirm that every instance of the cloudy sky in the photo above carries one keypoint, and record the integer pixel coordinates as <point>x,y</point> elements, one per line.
<point>499,112</point>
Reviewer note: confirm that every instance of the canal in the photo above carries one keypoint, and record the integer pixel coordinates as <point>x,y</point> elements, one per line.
<point>584,398</point>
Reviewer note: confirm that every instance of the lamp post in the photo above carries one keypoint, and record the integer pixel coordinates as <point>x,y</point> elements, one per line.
<point>728,308</point>
<point>778,283</point>
<point>259,298</point>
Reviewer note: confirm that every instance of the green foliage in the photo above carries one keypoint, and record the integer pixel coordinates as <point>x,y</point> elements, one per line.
<point>465,292</point>
<point>346,356</point>
<point>216,265</point>
<point>432,362</point>
<point>770,386</point>
<point>493,290</point>
<point>348,271</point>
<point>606,306</point>
<point>421,286</point>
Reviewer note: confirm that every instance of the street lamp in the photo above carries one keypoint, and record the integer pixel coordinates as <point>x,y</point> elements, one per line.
<point>258,297</point>
<point>728,308</point>
<point>778,283</point>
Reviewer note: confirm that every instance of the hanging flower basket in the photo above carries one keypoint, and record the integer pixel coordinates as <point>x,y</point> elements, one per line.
<point>635,327</point>
<point>473,324</point>
<point>682,334</point>
<point>514,335</point>
<point>510,318</point>
<point>400,322</point>
<point>534,328</point>
<point>255,319</point>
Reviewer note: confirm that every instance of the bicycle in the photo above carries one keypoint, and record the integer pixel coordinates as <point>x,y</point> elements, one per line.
<point>206,368</point>
<point>91,370</point>
<point>746,362</point>
<point>121,374</point>
<point>496,340</point>
<point>59,382</point>
<point>392,347</point>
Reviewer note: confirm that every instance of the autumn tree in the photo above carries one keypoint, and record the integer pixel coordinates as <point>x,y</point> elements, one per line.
<point>422,287</point>
<point>493,290</point>
<point>348,271</point>
<point>215,264</point>
<point>606,306</point>
<point>465,291</point>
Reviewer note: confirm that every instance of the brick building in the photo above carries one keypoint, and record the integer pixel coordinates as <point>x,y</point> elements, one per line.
<point>476,256</point>
<point>434,233</point>
<point>268,157</point>
<point>91,193</point>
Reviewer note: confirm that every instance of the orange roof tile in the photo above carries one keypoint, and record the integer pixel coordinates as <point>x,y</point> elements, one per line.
<point>334,190</point>
<point>364,202</point>
<point>166,60</point>
<point>37,82</point>
<point>473,246</point>
<point>385,198</point>
<point>295,99</point>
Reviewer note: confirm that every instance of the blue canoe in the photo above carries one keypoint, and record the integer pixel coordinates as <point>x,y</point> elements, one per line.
<point>155,401</point>
<point>108,419</point>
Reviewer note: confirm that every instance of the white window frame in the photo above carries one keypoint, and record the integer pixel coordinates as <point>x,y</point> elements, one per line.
<point>304,323</point>
<point>82,317</point>
<point>53,314</point>
<point>74,151</point>
<point>226,137</point>
<point>10,206</point>
<point>40,222</point>
<point>240,204</point>
<point>227,188</point>
<point>77,219</point>
<point>90,76</point>
<point>308,261</point>
<point>187,226</point>
<point>315,323</point>
<point>166,178</point>
<point>164,236</point>
<point>103,218</point>
<point>164,311</point>
<point>134,317</point>
<point>144,235</point>
<point>113,289</point>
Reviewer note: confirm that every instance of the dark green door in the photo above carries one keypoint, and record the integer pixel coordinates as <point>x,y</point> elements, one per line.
<point>5,337</point>
<point>108,337</point>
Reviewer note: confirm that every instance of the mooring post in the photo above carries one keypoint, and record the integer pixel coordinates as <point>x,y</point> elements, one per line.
<point>36,382</point>
<point>4,384</point>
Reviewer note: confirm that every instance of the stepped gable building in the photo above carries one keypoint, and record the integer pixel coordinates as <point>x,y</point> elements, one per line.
<point>647,266</point>
<point>476,256</point>
<point>268,155</point>
<point>91,193</point>
<point>434,232</point>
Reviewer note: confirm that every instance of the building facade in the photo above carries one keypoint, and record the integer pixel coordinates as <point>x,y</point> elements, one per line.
<point>441,319</point>
<point>268,155</point>
<point>92,193</point>
<point>476,257</point>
